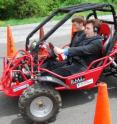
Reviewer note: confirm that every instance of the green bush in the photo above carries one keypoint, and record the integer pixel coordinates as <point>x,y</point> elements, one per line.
<point>54,4</point>
<point>72,2</point>
<point>6,9</point>
<point>28,8</point>
<point>25,8</point>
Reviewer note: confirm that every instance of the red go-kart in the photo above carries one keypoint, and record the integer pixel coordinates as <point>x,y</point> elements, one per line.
<point>39,99</point>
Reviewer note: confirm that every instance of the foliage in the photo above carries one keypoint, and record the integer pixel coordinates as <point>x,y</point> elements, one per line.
<point>32,8</point>
<point>6,8</point>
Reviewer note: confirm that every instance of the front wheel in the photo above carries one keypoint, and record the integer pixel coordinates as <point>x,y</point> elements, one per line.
<point>39,103</point>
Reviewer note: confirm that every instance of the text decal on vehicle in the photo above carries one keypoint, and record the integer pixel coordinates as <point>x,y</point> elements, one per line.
<point>77,80</point>
<point>85,83</point>
<point>20,87</point>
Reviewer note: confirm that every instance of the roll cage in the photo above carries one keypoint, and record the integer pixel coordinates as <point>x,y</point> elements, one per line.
<point>14,80</point>
<point>70,10</point>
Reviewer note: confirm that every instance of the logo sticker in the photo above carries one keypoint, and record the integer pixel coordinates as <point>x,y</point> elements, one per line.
<point>20,87</point>
<point>85,83</point>
<point>49,78</point>
<point>77,80</point>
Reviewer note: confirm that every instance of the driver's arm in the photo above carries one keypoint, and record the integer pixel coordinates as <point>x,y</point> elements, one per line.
<point>89,49</point>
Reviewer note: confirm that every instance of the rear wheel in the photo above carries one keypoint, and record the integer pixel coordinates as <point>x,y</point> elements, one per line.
<point>39,104</point>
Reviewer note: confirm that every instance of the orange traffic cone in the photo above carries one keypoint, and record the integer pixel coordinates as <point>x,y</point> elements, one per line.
<point>41,33</point>
<point>11,50</point>
<point>73,30</point>
<point>102,114</point>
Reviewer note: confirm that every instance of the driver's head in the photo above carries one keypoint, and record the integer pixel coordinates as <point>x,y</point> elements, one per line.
<point>90,27</point>
<point>78,22</point>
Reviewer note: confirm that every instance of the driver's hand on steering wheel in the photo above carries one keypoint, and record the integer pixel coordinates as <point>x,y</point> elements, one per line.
<point>61,54</point>
<point>58,50</point>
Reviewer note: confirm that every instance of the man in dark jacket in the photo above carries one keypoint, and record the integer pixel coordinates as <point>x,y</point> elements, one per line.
<point>87,49</point>
<point>78,24</point>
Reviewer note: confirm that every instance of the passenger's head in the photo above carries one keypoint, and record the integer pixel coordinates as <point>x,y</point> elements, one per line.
<point>78,22</point>
<point>90,28</point>
<point>98,23</point>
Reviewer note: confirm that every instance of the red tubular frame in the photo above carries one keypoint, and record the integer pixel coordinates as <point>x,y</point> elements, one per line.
<point>90,73</point>
<point>99,69</point>
<point>6,80</point>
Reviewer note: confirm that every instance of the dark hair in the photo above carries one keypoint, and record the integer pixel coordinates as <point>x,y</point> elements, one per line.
<point>78,19</point>
<point>92,21</point>
<point>95,23</point>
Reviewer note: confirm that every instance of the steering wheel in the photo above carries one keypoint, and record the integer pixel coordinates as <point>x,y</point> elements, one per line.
<point>45,50</point>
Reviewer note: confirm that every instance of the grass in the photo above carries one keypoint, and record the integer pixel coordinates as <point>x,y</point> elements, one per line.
<point>30,20</point>
<point>21,21</point>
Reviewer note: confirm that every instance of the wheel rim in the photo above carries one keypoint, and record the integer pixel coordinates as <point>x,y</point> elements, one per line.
<point>41,106</point>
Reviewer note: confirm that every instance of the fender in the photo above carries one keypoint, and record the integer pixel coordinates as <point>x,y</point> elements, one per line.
<point>50,79</point>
